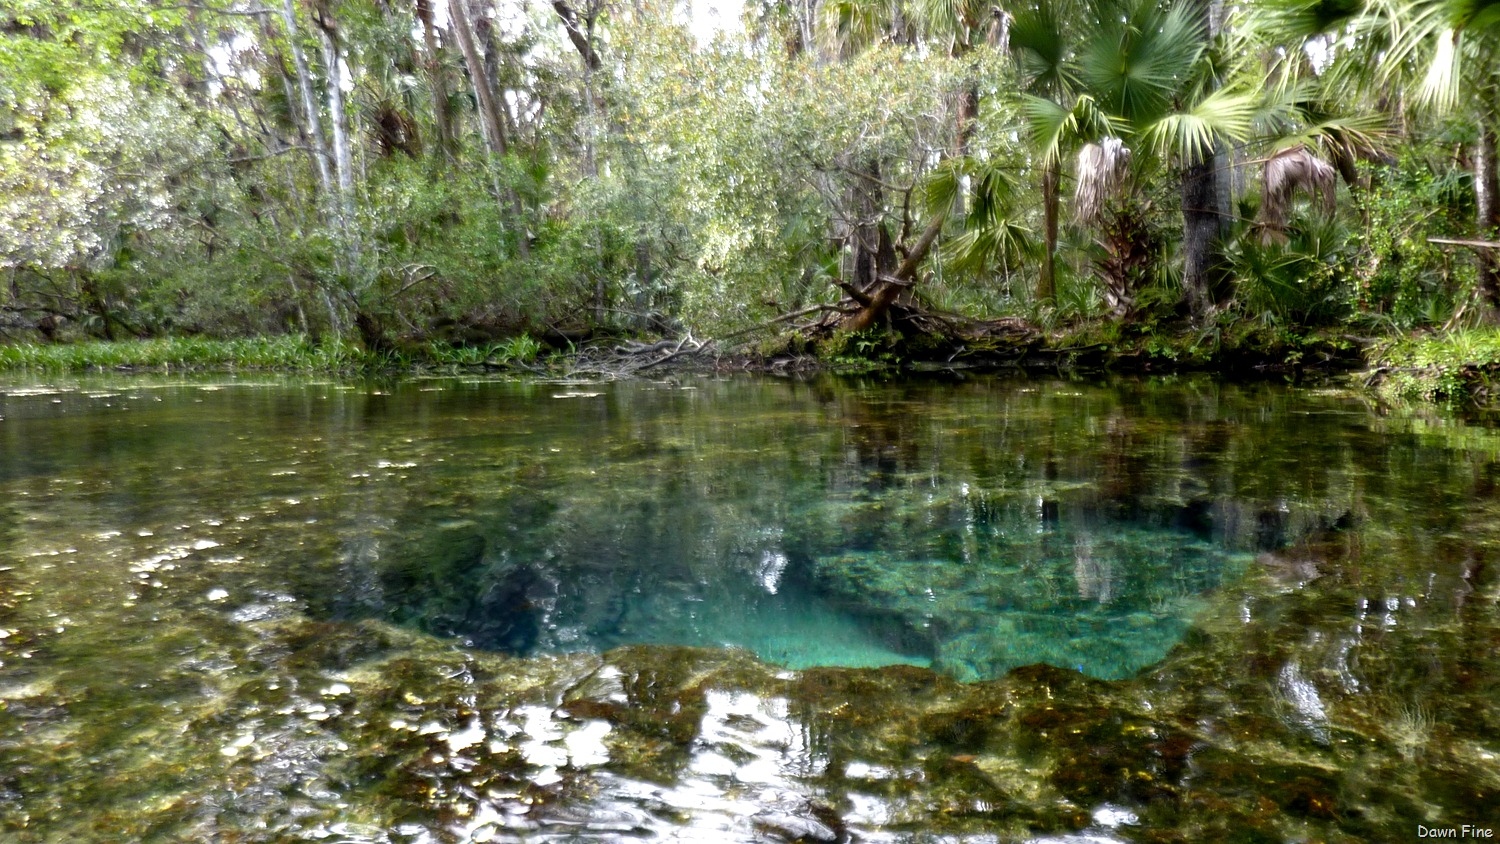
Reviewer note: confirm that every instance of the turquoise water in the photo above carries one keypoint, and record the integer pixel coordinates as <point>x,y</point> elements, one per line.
<point>263,609</point>
<point>930,574</point>
<point>534,518</point>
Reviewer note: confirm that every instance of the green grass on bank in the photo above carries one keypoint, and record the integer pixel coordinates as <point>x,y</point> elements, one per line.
<point>186,353</point>
<point>1455,367</point>
<point>286,354</point>
<point>1452,367</point>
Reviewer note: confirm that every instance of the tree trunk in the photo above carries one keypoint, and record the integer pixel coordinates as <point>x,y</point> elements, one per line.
<point>437,80</point>
<point>1130,248</point>
<point>890,287</point>
<point>491,121</point>
<point>1202,229</point>
<point>343,159</point>
<point>94,301</point>
<point>312,118</point>
<point>967,122</point>
<point>1046,283</point>
<point>489,110</point>
<point>580,29</point>
<point>490,51</point>
<point>643,285</point>
<point>968,117</point>
<point>579,32</point>
<point>866,208</point>
<point>1205,203</point>
<point>1487,195</point>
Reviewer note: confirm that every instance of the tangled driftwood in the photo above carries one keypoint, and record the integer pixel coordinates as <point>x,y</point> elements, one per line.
<point>632,357</point>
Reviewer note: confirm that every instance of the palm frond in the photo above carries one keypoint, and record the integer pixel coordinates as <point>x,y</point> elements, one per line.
<point>1040,43</point>
<point>1051,126</point>
<point>1422,37</point>
<point>1225,115</point>
<point>1047,124</point>
<point>1477,15</point>
<point>1291,21</point>
<point>1002,242</point>
<point>994,190</point>
<point>1357,135</point>
<point>992,235</point>
<point>1136,68</point>
<point>1283,105</point>
<point>944,185</point>
<point>1102,171</point>
<point>850,26</point>
<point>950,19</point>
<point>1285,173</point>
<point>1440,85</point>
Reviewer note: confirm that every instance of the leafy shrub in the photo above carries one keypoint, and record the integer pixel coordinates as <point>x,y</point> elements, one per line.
<point>1302,281</point>
<point>1403,277</point>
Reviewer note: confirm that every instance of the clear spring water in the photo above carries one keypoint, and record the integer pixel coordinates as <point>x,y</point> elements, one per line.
<point>540,518</point>
<point>220,597</point>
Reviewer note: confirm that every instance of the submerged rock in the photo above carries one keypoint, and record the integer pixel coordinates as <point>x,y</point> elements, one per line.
<point>800,826</point>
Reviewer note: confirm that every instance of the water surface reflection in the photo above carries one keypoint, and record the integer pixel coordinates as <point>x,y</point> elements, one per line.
<point>442,610</point>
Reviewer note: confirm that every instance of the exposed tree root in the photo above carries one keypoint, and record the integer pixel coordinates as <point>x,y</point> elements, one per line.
<point>943,337</point>
<point>935,329</point>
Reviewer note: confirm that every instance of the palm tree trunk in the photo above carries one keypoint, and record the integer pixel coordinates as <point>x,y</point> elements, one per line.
<point>1046,284</point>
<point>1202,229</point>
<point>968,122</point>
<point>1205,203</point>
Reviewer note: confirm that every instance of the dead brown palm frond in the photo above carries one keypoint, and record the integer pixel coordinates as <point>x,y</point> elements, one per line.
<point>1102,169</point>
<point>1285,173</point>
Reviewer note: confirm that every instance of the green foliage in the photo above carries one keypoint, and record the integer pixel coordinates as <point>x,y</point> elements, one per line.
<point>864,351</point>
<point>289,353</point>
<point>1305,279</point>
<point>1403,278</point>
<point>995,236</point>
<point>1450,367</point>
<point>521,349</point>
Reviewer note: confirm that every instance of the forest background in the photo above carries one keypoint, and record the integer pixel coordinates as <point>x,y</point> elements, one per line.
<point>473,180</point>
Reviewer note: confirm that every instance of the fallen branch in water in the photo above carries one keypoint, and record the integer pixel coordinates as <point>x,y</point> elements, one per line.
<point>698,348</point>
<point>634,357</point>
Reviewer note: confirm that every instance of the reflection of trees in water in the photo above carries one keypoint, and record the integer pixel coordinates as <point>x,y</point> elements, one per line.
<point>11,591</point>
<point>648,509</point>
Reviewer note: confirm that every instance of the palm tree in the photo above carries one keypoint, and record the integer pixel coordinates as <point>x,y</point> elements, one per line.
<point>1135,74</point>
<point>1423,57</point>
<point>1042,45</point>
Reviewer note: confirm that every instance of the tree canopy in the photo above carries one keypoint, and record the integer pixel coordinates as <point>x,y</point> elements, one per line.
<point>467,171</point>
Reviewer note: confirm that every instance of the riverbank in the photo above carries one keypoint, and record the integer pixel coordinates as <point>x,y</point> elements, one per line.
<point>1454,368</point>
<point>289,353</point>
